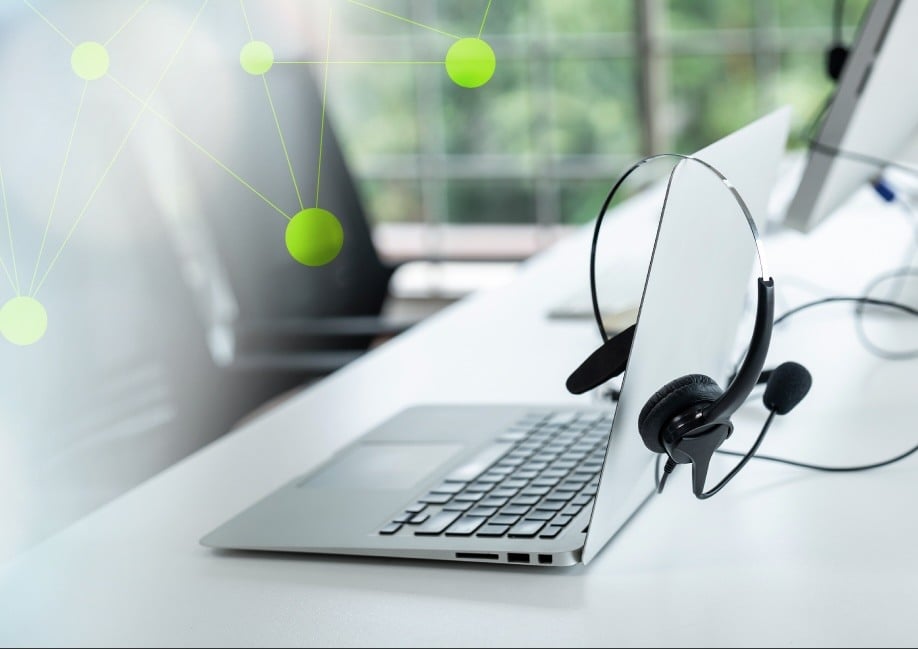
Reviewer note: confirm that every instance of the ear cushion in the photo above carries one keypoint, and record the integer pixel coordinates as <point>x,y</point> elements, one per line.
<point>670,401</point>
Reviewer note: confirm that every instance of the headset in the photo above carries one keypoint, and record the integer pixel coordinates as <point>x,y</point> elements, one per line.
<point>688,419</point>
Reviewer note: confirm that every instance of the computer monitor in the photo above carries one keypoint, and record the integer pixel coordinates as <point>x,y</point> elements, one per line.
<point>871,118</point>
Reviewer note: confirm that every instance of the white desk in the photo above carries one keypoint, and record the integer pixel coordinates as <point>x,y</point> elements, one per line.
<point>782,557</point>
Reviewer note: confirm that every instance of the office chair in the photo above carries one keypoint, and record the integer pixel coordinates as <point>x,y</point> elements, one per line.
<point>288,318</point>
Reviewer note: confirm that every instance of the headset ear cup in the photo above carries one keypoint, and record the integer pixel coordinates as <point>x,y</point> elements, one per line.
<point>672,400</point>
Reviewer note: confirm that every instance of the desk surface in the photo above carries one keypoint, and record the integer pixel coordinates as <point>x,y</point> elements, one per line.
<point>782,557</point>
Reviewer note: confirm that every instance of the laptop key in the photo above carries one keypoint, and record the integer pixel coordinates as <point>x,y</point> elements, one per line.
<point>403,518</point>
<point>504,492</point>
<point>581,500</point>
<point>572,510</point>
<point>437,523</point>
<point>482,512</point>
<point>561,519</point>
<point>478,464</point>
<point>525,474</point>
<point>504,519</point>
<point>535,491</point>
<point>493,530</point>
<point>525,529</point>
<point>436,499</point>
<point>551,505</point>
<point>528,501</point>
<point>514,510</point>
<point>448,488</point>
<point>550,532</point>
<point>464,526</point>
<point>540,515</point>
<point>419,518</point>
<point>416,508</point>
<point>491,501</point>
<point>391,528</point>
<point>466,497</point>
<point>458,506</point>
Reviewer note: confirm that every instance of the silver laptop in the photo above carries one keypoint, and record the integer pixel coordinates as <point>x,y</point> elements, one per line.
<point>533,484</point>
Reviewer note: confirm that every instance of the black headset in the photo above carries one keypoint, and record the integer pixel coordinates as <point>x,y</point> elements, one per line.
<point>688,418</point>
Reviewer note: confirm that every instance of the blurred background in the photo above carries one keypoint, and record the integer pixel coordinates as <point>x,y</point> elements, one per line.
<point>145,203</point>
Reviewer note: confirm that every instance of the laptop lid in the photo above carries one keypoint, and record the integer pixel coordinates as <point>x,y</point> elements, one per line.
<point>693,301</point>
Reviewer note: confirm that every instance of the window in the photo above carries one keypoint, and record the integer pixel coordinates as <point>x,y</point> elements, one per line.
<point>581,89</point>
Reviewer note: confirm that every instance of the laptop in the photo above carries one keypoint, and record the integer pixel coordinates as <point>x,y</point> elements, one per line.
<point>537,485</point>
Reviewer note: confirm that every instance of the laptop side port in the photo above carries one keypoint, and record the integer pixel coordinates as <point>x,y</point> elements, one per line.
<point>481,556</point>
<point>517,557</point>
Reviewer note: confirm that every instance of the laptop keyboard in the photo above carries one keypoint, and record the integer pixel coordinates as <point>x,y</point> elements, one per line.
<point>540,473</point>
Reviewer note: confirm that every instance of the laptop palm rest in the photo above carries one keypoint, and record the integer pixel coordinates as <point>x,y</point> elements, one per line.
<point>383,465</point>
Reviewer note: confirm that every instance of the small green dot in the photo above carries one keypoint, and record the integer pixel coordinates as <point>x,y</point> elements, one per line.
<point>256,57</point>
<point>470,62</point>
<point>89,60</point>
<point>314,237</point>
<point>23,320</point>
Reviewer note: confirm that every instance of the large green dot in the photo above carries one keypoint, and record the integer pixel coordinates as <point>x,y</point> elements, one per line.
<point>89,60</point>
<point>256,57</point>
<point>23,320</point>
<point>314,237</point>
<point>470,62</point>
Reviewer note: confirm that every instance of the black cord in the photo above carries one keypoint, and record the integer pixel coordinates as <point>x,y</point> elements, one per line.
<point>820,467</point>
<point>863,158</point>
<point>849,299</point>
<point>859,318</point>
<point>739,465</point>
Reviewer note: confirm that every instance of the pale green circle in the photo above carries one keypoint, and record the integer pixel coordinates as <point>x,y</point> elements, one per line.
<point>470,62</point>
<point>23,320</point>
<point>256,57</point>
<point>89,60</point>
<point>314,237</point>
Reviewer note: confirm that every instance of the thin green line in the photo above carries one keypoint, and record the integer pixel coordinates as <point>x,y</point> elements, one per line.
<point>283,143</point>
<point>483,20</point>
<point>127,22</point>
<point>407,20</point>
<point>7,272</point>
<point>165,120</point>
<point>245,16</point>
<point>50,24</point>
<point>324,98</point>
<point>57,190</point>
<point>133,126</point>
<point>359,62</point>
<point>9,230</point>
<point>280,133</point>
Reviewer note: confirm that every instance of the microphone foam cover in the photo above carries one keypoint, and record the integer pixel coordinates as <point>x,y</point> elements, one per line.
<point>788,384</point>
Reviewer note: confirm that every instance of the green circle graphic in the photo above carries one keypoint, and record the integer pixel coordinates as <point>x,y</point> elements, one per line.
<point>314,237</point>
<point>256,57</point>
<point>89,60</point>
<point>23,320</point>
<point>470,62</point>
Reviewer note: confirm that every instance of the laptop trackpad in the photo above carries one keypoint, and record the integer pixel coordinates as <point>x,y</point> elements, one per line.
<point>384,465</point>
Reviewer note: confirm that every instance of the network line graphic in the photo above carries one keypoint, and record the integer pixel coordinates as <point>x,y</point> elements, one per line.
<point>313,235</point>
